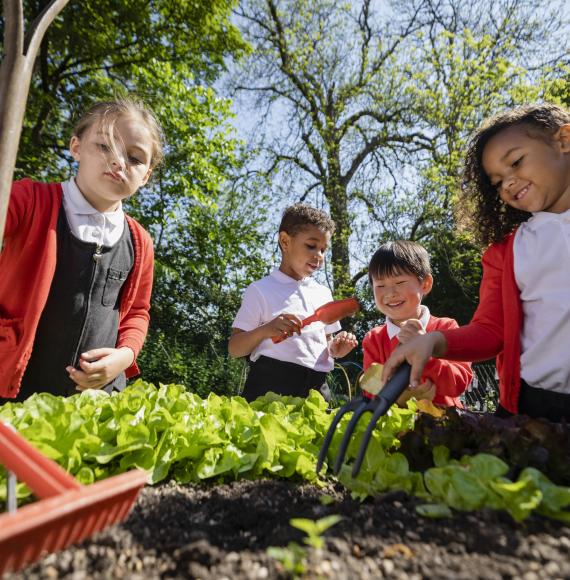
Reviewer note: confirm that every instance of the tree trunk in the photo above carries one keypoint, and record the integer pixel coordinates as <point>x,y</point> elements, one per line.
<point>337,198</point>
<point>15,77</point>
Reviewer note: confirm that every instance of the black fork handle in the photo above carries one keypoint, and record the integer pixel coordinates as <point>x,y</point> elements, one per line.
<point>397,384</point>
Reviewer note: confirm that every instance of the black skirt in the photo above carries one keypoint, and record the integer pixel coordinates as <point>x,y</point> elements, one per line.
<point>537,403</point>
<point>284,378</point>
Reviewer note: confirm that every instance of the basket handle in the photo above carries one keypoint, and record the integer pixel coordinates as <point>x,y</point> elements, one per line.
<point>42,475</point>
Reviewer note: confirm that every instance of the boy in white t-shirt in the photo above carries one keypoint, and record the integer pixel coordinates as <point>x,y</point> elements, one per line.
<point>275,307</point>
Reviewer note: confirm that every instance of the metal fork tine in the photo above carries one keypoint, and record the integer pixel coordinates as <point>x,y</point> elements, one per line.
<point>358,412</point>
<point>386,398</point>
<point>382,407</point>
<point>379,405</point>
<point>350,406</point>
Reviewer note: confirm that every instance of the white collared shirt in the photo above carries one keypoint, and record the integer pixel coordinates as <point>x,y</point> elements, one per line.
<point>88,224</point>
<point>394,330</point>
<point>542,272</point>
<point>276,294</point>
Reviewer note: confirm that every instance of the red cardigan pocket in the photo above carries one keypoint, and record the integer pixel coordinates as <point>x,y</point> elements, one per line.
<point>11,330</point>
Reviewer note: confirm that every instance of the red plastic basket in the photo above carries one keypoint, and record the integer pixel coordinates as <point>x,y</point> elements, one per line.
<point>67,512</point>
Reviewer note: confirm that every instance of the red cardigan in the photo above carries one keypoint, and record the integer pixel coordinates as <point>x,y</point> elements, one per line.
<point>27,264</point>
<point>495,327</point>
<point>449,378</point>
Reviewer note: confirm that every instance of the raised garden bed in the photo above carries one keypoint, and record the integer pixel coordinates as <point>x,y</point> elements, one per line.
<point>225,519</point>
<point>223,531</point>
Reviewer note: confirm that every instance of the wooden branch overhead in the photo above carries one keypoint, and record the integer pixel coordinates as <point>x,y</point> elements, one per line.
<point>20,51</point>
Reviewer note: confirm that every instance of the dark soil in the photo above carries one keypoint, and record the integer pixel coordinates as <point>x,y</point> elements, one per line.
<point>223,532</point>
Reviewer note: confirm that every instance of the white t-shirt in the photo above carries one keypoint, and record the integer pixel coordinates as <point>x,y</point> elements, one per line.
<point>542,272</point>
<point>277,294</point>
<point>88,224</point>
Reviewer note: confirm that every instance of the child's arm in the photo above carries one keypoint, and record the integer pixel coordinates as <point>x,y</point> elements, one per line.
<point>371,350</point>
<point>450,378</point>
<point>483,337</point>
<point>133,326</point>
<point>243,342</point>
<point>20,208</point>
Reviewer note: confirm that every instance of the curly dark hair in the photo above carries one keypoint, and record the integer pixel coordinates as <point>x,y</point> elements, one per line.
<point>494,218</point>
<point>300,215</point>
<point>399,257</point>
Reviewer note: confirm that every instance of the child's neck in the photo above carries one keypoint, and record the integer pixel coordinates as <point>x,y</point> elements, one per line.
<point>400,322</point>
<point>104,207</point>
<point>288,271</point>
<point>101,205</point>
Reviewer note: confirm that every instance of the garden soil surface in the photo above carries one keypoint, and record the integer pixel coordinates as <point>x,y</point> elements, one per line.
<point>223,532</point>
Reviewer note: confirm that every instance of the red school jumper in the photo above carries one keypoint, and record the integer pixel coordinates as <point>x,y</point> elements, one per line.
<point>27,266</point>
<point>495,327</point>
<point>450,378</point>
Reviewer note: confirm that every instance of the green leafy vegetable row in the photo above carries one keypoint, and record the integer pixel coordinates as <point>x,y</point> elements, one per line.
<point>175,434</point>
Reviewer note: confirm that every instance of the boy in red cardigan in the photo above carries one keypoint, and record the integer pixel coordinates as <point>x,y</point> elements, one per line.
<point>400,275</point>
<point>76,270</point>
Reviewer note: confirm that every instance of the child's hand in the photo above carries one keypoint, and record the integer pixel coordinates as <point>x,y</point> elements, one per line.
<point>283,325</point>
<point>417,352</point>
<point>424,391</point>
<point>342,344</point>
<point>100,366</point>
<point>410,329</point>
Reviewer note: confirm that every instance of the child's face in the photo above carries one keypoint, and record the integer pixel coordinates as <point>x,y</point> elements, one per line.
<point>399,296</point>
<point>303,254</point>
<point>104,179</point>
<point>529,173</point>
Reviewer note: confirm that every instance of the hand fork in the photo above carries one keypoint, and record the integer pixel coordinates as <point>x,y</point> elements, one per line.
<point>378,406</point>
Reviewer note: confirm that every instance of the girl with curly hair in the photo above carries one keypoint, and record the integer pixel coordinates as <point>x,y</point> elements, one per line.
<point>518,175</point>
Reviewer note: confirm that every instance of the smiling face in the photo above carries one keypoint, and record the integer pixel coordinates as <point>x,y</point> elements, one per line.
<point>399,296</point>
<point>529,173</point>
<point>303,253</point>
<point>106,179</point>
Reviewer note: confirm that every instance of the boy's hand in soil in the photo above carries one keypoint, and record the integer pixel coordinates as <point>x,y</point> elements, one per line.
<point>424,391</point>
<point>342,344</point>
<point>410,329</point>
<point>100,366</point>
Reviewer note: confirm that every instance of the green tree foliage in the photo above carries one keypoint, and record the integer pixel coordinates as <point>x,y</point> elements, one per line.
<point>332,70</point>
<point>199,279</point>
<point>93,50</point>
<point>475,60</point>
<point>378,99</point>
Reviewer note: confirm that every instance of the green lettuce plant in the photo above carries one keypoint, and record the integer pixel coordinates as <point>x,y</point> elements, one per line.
<point>174,434</point>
